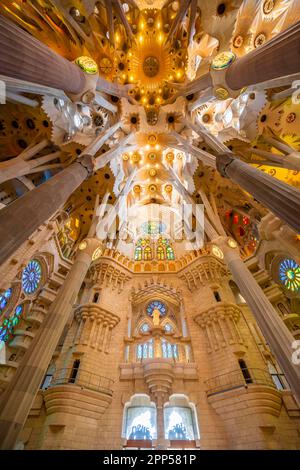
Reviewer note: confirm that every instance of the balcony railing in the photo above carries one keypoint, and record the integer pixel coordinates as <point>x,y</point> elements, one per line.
<point>237,379</point>
<point>84,379</point>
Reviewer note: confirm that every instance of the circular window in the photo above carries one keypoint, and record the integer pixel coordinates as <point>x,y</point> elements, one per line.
<point>289,274</point>
<point>156,305</point>
<point>31,276</point>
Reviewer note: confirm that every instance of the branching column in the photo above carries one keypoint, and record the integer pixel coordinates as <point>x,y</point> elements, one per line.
<point>20,393</point>
<point>24,57</point>
<point>282,199</point>
<point>274,330</point>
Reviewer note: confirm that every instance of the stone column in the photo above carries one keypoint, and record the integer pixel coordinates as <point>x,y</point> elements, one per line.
<point>282,199</point>
<point>277,58</point>
<point>21,218</point>
<point>26,58</point>
<point>274,330</point>
<point>20,393</point>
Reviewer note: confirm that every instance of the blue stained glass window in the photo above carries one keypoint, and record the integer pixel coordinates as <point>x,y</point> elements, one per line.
<point>158,305</point>
<point>289,274</point>
<point>31,276</point>
<point>4,298</point>
<point>153,228</point>
<point>168,327</point>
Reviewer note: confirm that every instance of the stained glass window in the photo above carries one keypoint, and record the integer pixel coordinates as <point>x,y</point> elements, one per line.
<point>4,299</point>
<point>147,253</point>
<point>138,254</point>
<point>8,325</point>
<point>31,276</point>
<point>160,253</point>
<point>170,253</point>
<point>289,274</point>
<point>168,327</point>
<point>158,305</point>
<point>145,350</point>
<point>145,327</point>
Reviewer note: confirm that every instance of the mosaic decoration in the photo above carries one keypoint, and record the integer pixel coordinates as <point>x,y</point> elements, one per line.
<point>156,305</point>
<point>31,276</point>
<point>8,325</point>
<point>4,299</point>
<point>289,274</point>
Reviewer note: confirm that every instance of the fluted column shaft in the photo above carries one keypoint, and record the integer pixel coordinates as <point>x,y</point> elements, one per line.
<point>274,330</point>
<point>282,199</point>
<point>21,218</point>
<point>24,57</point>
<point>277,58</point>
<point>20,393</point>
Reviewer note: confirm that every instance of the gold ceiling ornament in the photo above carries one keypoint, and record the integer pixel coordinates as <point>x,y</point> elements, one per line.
<point>268,6</point>
<point>168,188</point>
<point>260,39</point>
<point>97,253</point>
<point>152,188</point>
<point>170,157</point>
<point>125,157</point>
<point>137,189</point>
<point>87,64</point>
<point>221,93</point>
<point>152,156</point>
<point>152,172</point>
<point>152,138</point>
<point>216,251</point>
<point>106,66</point>
<point>136,157</point>
<point>82,245</point>
<point>232,243</point>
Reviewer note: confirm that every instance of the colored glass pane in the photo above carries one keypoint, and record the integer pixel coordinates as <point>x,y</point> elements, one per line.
<point>4,298</point>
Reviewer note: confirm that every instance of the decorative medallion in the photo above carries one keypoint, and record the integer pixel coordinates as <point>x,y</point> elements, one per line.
<point>223,60</point>
<point>97,253</point>
<point>232,243</point>
<point>217,252</point>
<point>87,64</point>
<point>289,274</point>
<point>82,245</point>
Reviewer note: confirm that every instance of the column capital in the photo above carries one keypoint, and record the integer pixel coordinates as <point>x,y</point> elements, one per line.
<point>92,247</point>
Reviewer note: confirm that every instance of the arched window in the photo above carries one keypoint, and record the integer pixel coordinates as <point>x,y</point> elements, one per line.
<point>145,350</point>
<point>139,421</point>
<point>170,253</point>
<point>160,253</point>
<point>31,276</point>
<point>169,351</point>
<point>168,328</point>
<point>147,253</point>
<point>138,254</point>
<point>180,420</point>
